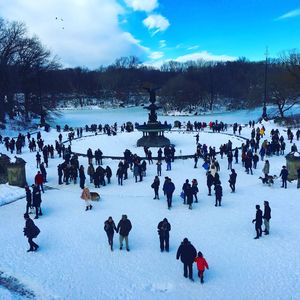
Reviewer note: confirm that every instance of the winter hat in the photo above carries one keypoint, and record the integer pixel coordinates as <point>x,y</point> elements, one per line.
<point>26,216</point>
<point>257,206</point>
<point>185,240</point>
<point>200,254</point>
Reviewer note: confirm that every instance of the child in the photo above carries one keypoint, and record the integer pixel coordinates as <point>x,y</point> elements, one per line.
<point>201,265</point>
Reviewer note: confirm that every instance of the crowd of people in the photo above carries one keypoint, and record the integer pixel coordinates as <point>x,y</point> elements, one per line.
<point>254,149</point>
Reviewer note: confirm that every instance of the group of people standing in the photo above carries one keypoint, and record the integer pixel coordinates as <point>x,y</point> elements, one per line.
<point>259,217</point>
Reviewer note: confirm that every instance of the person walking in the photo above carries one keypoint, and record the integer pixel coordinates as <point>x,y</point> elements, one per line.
<point>187,254</point>
<point>195,189</point>
<point>209,182</point>
<point>91,172</point>
<point>232,180</point>
<point>164,229</point>
<point>31,231</point>
<point>158,168</point>
<point>119,174</point>
<point>155,186</point>
<point>86,196</point>
<point>258,222</point>
<point>267,217</point>
<point>189,196</point>
<point>110,228</point>
<point>38,180</point>
<point>28,198</point>
<point>219,194</point>
<point>266,169</point>
<point>81,177</point>
<point>201,266</point>
<point>284,176</point>
<point>184,189</point>
<point>36,200</point>
<point>123,228</point>
<point>38,160</point>
<point>108,173</point>
<point>169,189</point>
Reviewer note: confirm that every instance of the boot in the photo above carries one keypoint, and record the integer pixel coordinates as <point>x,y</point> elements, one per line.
<point>201,279</point>
<point>87,208</point>
<point>266,232</point>
<point>90,206</point>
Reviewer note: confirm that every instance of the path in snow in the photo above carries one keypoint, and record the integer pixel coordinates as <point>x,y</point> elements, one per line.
<point>15,286</point>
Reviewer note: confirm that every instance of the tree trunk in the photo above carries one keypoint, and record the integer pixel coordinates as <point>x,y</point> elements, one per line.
<point>280,108</point>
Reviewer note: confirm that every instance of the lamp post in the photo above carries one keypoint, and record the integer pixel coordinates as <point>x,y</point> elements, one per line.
<point>264,112</point>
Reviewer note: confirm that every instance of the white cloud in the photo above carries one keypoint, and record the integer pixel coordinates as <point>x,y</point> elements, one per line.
<point>193,47</point>
<point>91,35</point>
<point>142,5</point>
<point>290,14</point>
<point>156,55</point>
<point>204,55</point>
<point>156,22</point>
<point>162,43</point>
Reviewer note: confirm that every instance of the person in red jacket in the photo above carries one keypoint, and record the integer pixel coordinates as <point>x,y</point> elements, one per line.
<point>201,265</point>
<point>39,180</point>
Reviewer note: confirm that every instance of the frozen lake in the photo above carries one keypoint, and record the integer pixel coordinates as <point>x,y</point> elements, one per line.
<point>81,117</point>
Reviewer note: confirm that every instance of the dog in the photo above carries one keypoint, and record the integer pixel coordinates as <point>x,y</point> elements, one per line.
<point>95,196</point>
<point>269,180</point>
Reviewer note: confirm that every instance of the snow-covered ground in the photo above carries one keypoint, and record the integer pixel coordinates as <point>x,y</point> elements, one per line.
<point>74,260</point>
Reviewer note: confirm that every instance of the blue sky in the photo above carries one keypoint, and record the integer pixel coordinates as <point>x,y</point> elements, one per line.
<point>96,32</point>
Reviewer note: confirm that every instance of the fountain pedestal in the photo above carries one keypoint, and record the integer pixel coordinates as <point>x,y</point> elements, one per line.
<point>153,131</point>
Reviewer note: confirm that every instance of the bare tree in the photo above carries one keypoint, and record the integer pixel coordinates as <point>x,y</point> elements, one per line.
<point>284,90</point>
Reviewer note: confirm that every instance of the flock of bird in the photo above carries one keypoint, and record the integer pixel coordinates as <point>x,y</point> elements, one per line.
<point>60,20</point>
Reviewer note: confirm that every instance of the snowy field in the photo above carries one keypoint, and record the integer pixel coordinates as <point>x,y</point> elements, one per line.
<point>74,260</point>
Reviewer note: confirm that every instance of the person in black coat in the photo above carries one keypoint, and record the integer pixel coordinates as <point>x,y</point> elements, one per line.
<point>155,186</point>
<point>60,174</point>
<point>110,228</point>
<point>164,228</point>
<point>28,198</point>
<point>120,173</point>
<point>258,222</point>
<point>187,253</point>
<point>108,173</point>
<point>36,200</point>
<point>81,177</point>
<point>169,189</point>
<point>31,231</point>
<point>209,181</point>
<point>232,180</point>
<point>184,188</point>
<point>219,194</point>
<point>284,176</point>
<point>124,227</point>
<point>189,195</point>
<point>267,217</point>
<point>248,164</point>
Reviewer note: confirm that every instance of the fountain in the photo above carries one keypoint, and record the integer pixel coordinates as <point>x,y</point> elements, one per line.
<point>153,131</point>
